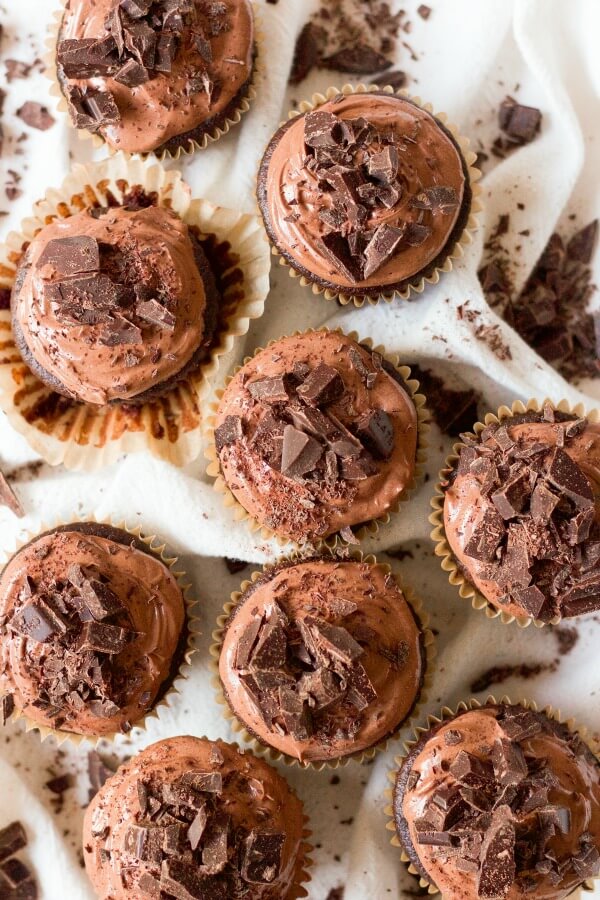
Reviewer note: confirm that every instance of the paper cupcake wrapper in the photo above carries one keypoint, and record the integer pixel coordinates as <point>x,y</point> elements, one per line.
<point>445,714</point>
<point>192,623</point>
<point>261,749</point>
<point>86,437</point>
<point>466,589</point>
<point>418,283</point>
<point>335,540</point>
<point>191,146</point>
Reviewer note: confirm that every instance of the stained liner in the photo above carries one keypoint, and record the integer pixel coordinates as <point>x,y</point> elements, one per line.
<point>455,253</point>
<point>192,624</point>
<point>466,590</point>
<point>335,540</point>
<point>260,749</point>
<point>86,437</point>
<point>447,713</point>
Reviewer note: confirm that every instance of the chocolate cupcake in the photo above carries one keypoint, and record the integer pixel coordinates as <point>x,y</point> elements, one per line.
<point>188,817</point>
<point>156,75</point>
<point>93,630</point>
<point>500,802</point>
<point>322,659</point>
<point>367,194</point>
<point>316,434</point>
<point>114,304</point>
<point>521,514</point>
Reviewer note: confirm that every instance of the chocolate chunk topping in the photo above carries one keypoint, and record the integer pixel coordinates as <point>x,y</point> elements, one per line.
<point>131,74</point>
<point>154,312</point>
<point>376,431</point>
<point>497,871</point>
<point>38,621</point>
<point>535,520</point>
<point>229,432</point>
<point>104,638</point>
<point>337,250</point>
<point>275,389</point>
<point>381,248</point>
<point>322,386</point>
<point>262,857</point>
<point>71,255</point>
<point>300,452</point>
<point>90,108</point>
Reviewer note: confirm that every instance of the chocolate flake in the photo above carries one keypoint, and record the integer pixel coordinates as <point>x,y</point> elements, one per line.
<point>381,248</point>
<point>155,313</point>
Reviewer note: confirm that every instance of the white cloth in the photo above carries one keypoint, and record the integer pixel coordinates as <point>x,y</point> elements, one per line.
<point>469,57</point>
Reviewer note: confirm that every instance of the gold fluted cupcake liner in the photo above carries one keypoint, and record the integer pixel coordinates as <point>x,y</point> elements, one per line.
<point>449,564</point>
<point>158,549</point>
<point>365,530</point>
<point>428,649</point>
<point>419,282</point>
<point>81,436</point>
<point>192,146</point>
<point>447,713</point>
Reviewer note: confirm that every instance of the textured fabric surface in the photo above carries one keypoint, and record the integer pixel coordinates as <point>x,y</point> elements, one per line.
<point>469,56</point>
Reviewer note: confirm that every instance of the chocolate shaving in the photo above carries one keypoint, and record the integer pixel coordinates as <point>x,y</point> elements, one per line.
<point>155,313</point>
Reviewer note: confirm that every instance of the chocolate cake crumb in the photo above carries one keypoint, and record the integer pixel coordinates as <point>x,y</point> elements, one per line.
<point>356,37</point>
<point>498,674</point>
<point>454,411</point>
<point>551,312</point>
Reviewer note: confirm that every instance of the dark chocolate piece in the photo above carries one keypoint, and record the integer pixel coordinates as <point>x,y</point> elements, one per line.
<point>71,255</point>
<point>262,857</point>
<point>322,386</point>
<point>12,839</point>
<point>229,432</point>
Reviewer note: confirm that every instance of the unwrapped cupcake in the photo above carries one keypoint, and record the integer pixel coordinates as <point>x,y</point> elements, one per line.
<point>155,75</point>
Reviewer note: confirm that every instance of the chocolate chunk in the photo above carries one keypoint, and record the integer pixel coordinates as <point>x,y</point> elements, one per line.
<point>234,565</point>
<point>7,707</point>
<point>196,829</point>
<point>470,770</point>
<point>70,255</point>
<point>228,432</point>
<point>520,123</point>
<point>322,129</point>
<point>416,234</point>
<point>100,600</point>
<point>497,861</point>
<point>35,115</point>
<point>132,74</point>
<point>38,621</point>
<point>435,198</point>
<point>262,857</point>
<point>357,469</point>
<point>322,386</point>
<point>510,500</point>
<point>271,647</point>
<point>300,453</point>
<point>313,421</point>
<point>530,598</point>
<point>214,848</point>
<point>581,246</point>
<point>12,839</point>
<point>18,881</point>
<point>136,9</point>
<point>358,58</point>
<point>453,737</point>
<point>520,725</point>
<point>306,54</point>
<point>204,782</point>
<point>149,886</point>
<point>98,772</point>
<point>185,882</point>
<point>579,527</point>
<point>431,838</point>
<point>295,714</point>
<point>246,643</point>
<point>543,503</point>
<point>487,534</point>
<point>382,247</point>
<point>320,688</point>
<point>9,499</point>
<point>383,166</point>
<point>337,251</point>
<point>273,389</point>
<point>121,331</point>
<point>396,79</point>
<point>140,40</point>
<point>582,597</point>
<point>376,431</point>
<point>104,638</point>
<point>333,641</point>
<point>167,47</point>
<point>424,11</point>
<point>59,784</point>
<point>89,57</point>
<point>566,475</point>
<point>154,312</point>
<point>510,765</point>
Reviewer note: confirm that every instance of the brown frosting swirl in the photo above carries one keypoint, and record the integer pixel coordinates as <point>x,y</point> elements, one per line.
<point>313,504</point>
<point>147,253</point>
<point>322,658</point>
<point>522,515</point>
<point>91,625</point>
<point>501,802</point>
<point>211,67</point>
<point>188,813</point>
<point>298,198</point>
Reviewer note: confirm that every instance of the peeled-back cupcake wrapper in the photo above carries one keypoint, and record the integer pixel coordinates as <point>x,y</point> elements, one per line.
<point>418,282</point>
<point>80,436</point>
<point>449,564</point>
<point>192,624</point>
<point>446,714</point>
<point>191,146</point>
<point>335,540</point>
<point>427,644</point>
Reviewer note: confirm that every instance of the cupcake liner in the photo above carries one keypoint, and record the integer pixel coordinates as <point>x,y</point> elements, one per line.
<point>158,549</point>
<point>365,530</point>
<point>192,146</point>
<point>449,564</point>
<point>417,285</point>
<point>427,645</point>
<point>86,437</point>
<point>445,714</point>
